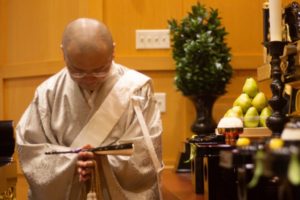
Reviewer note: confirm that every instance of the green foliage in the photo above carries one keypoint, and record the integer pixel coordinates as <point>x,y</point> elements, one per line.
<point>201,55</point>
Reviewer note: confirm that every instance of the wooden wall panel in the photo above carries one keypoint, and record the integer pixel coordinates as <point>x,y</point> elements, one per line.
<point>123,17</point>
<point>18,93</point>
<point>3,34</point>
<point>35,28</point>
<point>3,44</point>
<point>91,8</point>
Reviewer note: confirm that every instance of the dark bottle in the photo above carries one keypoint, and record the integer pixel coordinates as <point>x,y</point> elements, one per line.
<point>263,184</point>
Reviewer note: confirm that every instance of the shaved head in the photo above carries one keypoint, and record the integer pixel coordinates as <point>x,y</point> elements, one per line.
<point>88,49</point>
<point>84,35</point>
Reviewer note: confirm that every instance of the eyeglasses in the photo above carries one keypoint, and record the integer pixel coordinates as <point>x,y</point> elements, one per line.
<point>97,73</point>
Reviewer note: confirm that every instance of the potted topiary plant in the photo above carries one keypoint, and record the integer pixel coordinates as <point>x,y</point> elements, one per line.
<point>202,60</point>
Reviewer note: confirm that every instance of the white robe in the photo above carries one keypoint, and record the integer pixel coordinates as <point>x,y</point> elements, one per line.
<point>57,114</point>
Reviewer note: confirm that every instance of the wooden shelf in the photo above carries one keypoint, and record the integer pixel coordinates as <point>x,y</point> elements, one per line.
<point>259,132</point>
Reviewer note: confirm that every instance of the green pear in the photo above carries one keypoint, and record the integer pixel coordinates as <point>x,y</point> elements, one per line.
<point>250,87</point>
<point>251,118</point>
<point>228,113</point>
<point>265,113</point>
<point>259,101</point>
<point>243,101</point>
<point>235,111</point>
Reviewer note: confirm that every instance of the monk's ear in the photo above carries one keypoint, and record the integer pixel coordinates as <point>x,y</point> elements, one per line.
<point>63,52</point>
<point>61,47</point>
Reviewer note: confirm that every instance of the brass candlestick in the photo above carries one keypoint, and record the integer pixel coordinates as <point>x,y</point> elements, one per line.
<point>277,120</point>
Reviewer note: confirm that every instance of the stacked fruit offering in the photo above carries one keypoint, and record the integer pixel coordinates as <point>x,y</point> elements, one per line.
<point>251,106</point>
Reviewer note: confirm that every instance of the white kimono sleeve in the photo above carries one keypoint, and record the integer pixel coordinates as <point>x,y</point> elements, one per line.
<point>49,176</point>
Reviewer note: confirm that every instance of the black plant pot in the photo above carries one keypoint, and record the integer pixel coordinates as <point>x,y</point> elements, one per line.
<point>204,123</point>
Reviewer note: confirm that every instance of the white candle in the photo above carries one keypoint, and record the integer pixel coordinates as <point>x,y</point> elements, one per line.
<point>275,20</point>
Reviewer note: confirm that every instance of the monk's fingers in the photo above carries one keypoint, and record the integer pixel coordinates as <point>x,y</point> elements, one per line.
<point>84,171</point>
<point>87,146</point>
<point>85,163</point>
<point>84,178</point>
<point>85,155</point>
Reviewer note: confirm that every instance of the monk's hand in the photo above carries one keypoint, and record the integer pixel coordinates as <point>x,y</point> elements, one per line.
<point>85,164</point>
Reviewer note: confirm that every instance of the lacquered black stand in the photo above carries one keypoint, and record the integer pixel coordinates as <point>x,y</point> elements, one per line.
<point>277,120</point>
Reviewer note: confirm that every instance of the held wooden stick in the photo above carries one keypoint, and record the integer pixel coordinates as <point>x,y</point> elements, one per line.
<point>120,149</point>
<point>120,152</point>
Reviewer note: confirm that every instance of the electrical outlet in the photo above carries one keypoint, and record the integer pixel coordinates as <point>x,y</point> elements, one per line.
<point>161,101</point>
<point>152,39</point>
